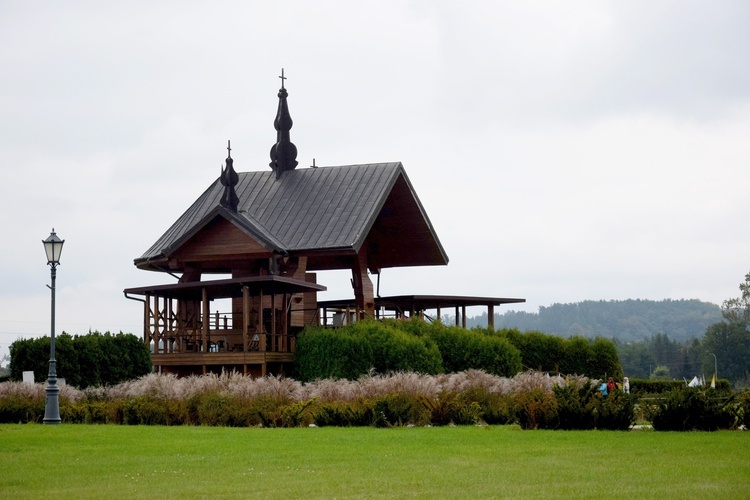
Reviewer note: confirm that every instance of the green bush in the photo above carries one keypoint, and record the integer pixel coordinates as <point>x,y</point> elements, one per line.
<point>84,361</point>
<point>536,409</point>
<point>494,408</point>
<point>642,386</point>
<point>463,349</point>
<point>145,410</point>
<point>331,353</point>
<point>395,410</point>
<point>743,409</point>
<point>396,350</point>
<point>357,413</point>
<point>17,408</point>
<point>616,412</point>
<point>692,409</point>
<point>576,406</point>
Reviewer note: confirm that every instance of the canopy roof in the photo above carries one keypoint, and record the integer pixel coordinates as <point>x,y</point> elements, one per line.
<point>228,288</point>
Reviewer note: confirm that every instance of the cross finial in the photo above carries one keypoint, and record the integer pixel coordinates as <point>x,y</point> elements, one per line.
<point>229,148</point>
<point>282,78</point>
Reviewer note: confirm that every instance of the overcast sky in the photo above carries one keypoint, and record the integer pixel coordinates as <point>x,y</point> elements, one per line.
<point>564,151</point>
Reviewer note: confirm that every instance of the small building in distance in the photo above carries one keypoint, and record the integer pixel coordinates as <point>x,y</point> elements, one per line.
<point>270,232</point>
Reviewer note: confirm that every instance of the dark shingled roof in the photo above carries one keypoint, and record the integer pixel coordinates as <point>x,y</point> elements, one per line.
<point>308,209</point>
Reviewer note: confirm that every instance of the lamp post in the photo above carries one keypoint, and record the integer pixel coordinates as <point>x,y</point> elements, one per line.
<point>53,246</point>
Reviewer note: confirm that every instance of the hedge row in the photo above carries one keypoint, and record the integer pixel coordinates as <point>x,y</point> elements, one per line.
<point>532,410</point>
<point>432,348</point>
<point>531,400</point>
<point>643,387</point>
<point>84,361</point>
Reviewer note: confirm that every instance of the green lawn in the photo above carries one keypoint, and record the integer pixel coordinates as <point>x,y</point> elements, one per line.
<point>107,461</point>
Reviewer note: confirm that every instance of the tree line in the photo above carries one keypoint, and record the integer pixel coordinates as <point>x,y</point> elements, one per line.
<point>626,320</point>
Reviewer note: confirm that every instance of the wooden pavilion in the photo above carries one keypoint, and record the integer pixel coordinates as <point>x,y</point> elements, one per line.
<point>271,231</point>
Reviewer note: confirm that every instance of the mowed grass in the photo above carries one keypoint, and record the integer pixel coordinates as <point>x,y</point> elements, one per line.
<point>107,461</point>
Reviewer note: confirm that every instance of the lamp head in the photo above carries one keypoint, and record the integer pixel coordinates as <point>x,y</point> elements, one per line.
<point>53,247</point>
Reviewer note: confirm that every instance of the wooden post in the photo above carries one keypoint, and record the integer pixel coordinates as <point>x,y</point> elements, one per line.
<point>245,318</point>
<point>285,322</point>
<point>147,319</point>
<point>364,294</point>
<point>463,316</point>
<point>206,320</point>
<point>260,331</point>
<point>491,316</point>
<point>456,315</point>
<point>274,347</point>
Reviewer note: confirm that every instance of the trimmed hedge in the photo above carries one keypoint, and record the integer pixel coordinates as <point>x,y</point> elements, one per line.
<point>391,346</point>
<point>694,408</point>
<point>84,361</point>
<point>643,386</point>
<point>352,351</point>
<point>576,355</point>
<point>463,349</point>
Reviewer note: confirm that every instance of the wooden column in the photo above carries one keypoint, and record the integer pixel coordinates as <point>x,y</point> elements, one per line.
<point>457,315</point>
<point>261,332</point>
<point>463,316</point>
<point>206,318</point>
<point>285,322</point>
<point>245,318</point>
<point>147,319</point>
<point>364,293</point>
<point>491,316</point>
<point>274,340</point>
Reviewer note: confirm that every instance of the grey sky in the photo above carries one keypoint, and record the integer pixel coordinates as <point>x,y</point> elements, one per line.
<point>563,151</point>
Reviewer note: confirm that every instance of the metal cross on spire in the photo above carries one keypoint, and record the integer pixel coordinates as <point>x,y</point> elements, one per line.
<point>282,78</point>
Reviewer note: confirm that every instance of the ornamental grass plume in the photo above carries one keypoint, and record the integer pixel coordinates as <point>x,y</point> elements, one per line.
<point>374,385</point>
<point>332,390</point>
<point>275,387</point>
<point>38,390</point>
<point>475,379</point>
<point>532,380</point>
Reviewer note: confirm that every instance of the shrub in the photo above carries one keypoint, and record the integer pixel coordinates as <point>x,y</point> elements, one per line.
<point>18,408</point>
<point>473,349</point>
<point>356,413</point>
<point>616,412</point>
<point>395,410</point>
<point>84,361</point>
<point>331,353</point>
<point>145,410</point>
<point>536,409</point>
<point>743,409</point>
<point>494,408</point>
<point>576,405</point>
<point>691,409</point>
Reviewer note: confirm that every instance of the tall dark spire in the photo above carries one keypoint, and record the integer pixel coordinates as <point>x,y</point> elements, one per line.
<point>284,152</point>
<point>229,180</point>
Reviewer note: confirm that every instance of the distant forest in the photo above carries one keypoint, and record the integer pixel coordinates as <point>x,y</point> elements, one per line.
<point>625,320</point>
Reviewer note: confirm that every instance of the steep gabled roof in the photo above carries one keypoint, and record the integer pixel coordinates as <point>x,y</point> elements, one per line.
<point>325,209</point>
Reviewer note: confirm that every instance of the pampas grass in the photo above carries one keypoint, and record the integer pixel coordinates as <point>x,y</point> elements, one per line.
<point>371,385</point>
<point>235,399</point>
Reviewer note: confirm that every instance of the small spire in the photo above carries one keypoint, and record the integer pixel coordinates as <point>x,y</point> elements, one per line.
<point>229,180</point>
<point>284,152</point>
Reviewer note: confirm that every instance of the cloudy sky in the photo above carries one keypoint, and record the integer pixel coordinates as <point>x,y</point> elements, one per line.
<point>564,151</point>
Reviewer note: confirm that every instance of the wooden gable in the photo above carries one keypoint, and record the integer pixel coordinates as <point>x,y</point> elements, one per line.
<point>220,241</point>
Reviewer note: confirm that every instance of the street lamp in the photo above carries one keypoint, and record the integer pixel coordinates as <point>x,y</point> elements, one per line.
<point>53,246</point>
